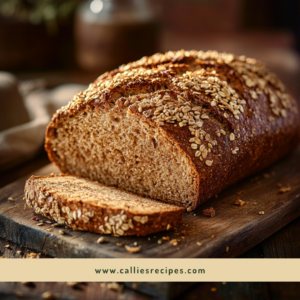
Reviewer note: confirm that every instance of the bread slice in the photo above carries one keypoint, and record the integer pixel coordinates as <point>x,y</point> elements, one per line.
<point>90,206</point>
<point>178,127</point>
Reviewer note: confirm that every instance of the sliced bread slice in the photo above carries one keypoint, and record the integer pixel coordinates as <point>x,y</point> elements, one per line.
<point>90,206</point>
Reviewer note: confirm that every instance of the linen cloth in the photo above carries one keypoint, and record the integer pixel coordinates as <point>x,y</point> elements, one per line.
<point>23,141</point>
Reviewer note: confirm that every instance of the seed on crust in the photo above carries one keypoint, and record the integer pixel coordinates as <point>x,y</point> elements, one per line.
<point>209,162</point>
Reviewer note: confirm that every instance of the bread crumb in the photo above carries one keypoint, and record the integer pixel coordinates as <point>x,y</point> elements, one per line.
<point>213,289</point>
<point>119,244</point>
<point>32,255</point>
<point>239,202</point>
<point>240,192</point>
<point>73,285</point>
<point>159,242</point>
<point>7,246</point>
<point>133,249</point>
<point>227,249</point>
<point>284,189</point>
<point>62,232</point>
<point>11,199</point>
<point>213,236</point>
<point>174,242</point>
<point>210,212</point>
<point>166,238</point>
<point>115,286</point>
<point>49,296</point>
<point>100,240</point>
<point>185,232</point>
<point>199,244</point>
<point>261,212</point>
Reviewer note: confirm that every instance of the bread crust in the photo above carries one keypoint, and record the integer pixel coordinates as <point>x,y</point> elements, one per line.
<point>96,217</point>
<point>252,119</point>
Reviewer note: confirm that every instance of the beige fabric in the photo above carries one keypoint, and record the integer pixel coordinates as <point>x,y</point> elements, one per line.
<point>23,141</point>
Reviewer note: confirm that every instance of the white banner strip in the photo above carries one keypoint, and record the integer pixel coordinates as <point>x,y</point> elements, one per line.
<point>144,270</point>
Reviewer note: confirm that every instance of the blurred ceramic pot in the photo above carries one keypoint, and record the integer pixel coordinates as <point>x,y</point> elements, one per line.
<point>109,33</point>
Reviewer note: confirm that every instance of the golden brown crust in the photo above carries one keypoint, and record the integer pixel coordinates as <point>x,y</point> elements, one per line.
<point>246,121</point>
<point>98,217</point>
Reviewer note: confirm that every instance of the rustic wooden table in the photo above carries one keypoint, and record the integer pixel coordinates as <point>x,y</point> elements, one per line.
<point>211,291</point>
<point>283,244</point>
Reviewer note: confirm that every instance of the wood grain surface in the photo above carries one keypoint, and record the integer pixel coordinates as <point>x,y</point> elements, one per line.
<point>236,228</point>
<point>207,290</point>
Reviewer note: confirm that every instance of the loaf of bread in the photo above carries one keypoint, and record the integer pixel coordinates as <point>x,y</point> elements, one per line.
<point>87,205</point>
<point>178,127</point>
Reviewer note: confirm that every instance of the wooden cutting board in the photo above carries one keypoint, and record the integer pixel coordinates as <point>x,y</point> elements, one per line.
<point>233,230</point>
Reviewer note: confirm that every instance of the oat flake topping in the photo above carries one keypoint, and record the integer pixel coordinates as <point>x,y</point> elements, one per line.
<point>191,75</point>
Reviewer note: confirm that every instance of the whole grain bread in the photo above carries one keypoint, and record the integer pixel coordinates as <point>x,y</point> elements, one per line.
<point>178,127</point>
<point>90,206</point>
